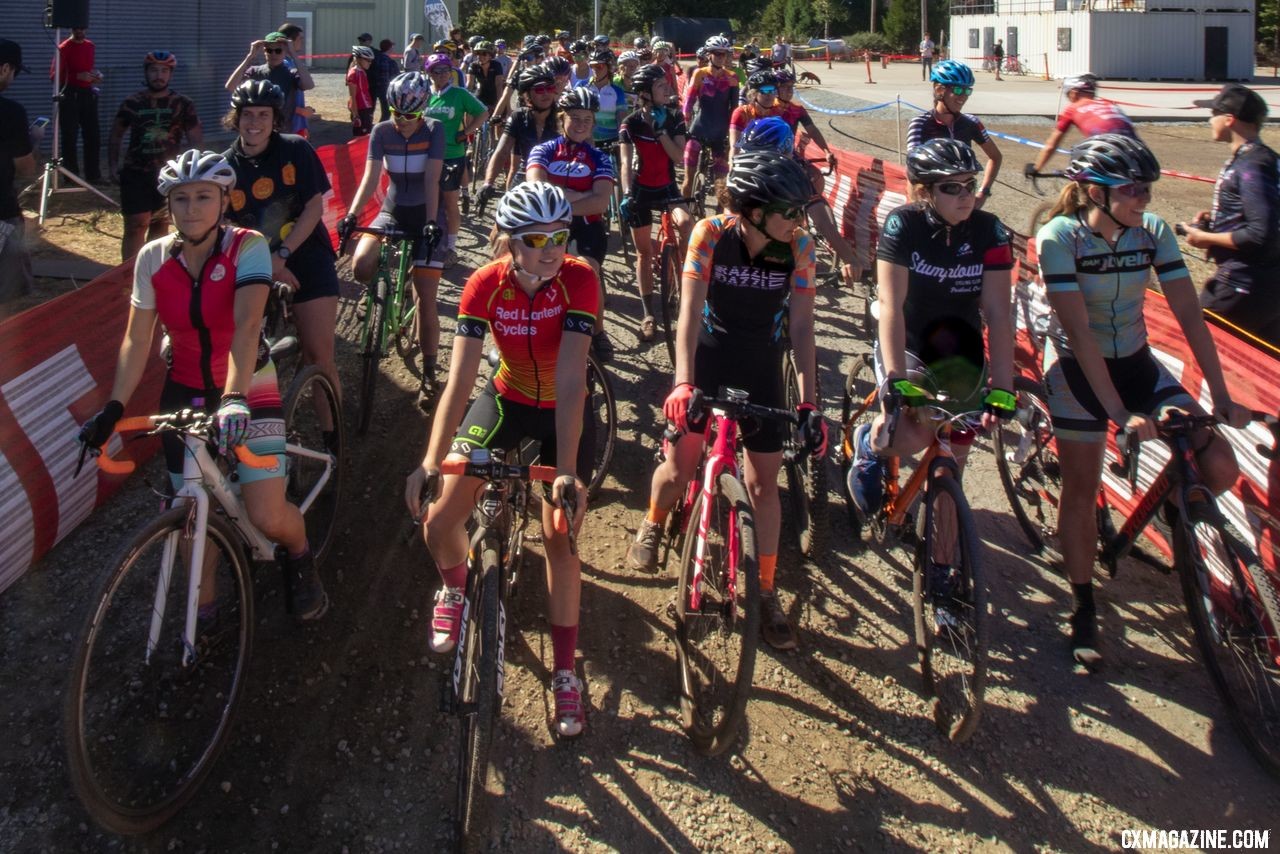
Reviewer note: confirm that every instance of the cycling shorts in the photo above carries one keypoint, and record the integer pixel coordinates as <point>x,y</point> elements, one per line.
<point>411,219</point>
<point>1144,385</point>
<point>495,423</point>
<point>646,201</point>
<point>755,370</point>
<point>138,193</point>
<point>964,384</point>
<point>719,151</point>
<point>589,239</point>
<point>451,174</point>
<point>316,272</point>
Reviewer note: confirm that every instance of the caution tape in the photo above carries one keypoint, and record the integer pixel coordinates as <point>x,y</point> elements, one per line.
<point>1173,89</point>
<point>830,112</point>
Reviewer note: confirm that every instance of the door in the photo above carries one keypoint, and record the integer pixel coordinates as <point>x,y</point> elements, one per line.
<point>988,41</point>
<point>1215,53</point>
<point>1011,42</point>
<point>304,20</point>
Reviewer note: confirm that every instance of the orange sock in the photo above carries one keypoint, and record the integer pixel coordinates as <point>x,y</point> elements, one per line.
<point>768,566</point>
<point>657,514</point>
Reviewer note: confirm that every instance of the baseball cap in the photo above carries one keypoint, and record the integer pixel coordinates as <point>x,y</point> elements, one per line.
<point>413,36</point>
<point>11,54</point>
<point>364,37</point>
<point>1239,101</point>
<point>275,36</point>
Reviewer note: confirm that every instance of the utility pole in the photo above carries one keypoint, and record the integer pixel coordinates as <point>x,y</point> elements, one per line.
<point>873,14</point>
<point>924,19</point>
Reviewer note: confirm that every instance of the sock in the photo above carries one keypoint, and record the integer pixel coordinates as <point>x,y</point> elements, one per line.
<point>1082,594</point>
<point>564,646</point>
<point>657,514</point>
<point>455,576</point>
<point>429,367</point>
<point>650,303</point>
<point>768,567</point>
<point>451,241</point>
<point>306,550</point>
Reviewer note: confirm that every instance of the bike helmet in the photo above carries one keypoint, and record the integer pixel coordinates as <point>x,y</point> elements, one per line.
<point>473,41</point>
<point>484,47</point>
<point>1112,159</point>
<point>948,72</point>
<point>408,92</point>
<point>762,78</point>
<point>542,40</point>
<point>602,57</point>
<point>645,54</point>
<point>558,65</point>
<point>160,57</point>
<point>702,53</point>
<point>258,93</point>
<point>760,63</point>
<point>580,98</point>
<point>562,35</point>
<point>760,178</point>
<point>937,159</point>
<point>644,78</point>
<point>534,75</point>
<point>785,77</point>
<point>532,203</point>
<point>749,52</point>
<point>528,41</point>
<point>628,56</point>
<point>718,43</point>
<point>443,46</point>
<point>640,42</point>
<point>500,44</point>
<point>196,166</point>
<point>768,134</point>
<point>1081,83</point>
<point>359,51</point>
<point>534,54</point>
<point>578,47</point>
<point>661,44</point>
<point>437,59</point>
<point>602,40</point>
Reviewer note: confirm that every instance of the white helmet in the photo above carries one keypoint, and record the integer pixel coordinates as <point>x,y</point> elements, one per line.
<point>718,43</point>
<point>532,203</point>
<point>361,52</point>
<point>408,92</point>
<point>196,166</point>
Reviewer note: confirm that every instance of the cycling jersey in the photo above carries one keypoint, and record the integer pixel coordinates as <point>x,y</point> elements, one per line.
<point>650,165</point>
<point>966,128</point>
<point>572,165</point>
<point>747,297</point>
<point>1246,202</point>
<point>747,113</point>
<point>522,127</point>
<point>794,115</point>
<point>156,125</point>
<point>1113,282</point>
<point>708,100</point>
<point>1093,117</point>
<point>486,83</point>
<point>945,265</point>
<point>527,329</point>
<point>612,99</point>
<point>273,187</point>
<point>199,312</point>
<point>451,107</point>
<point>405,160</point>
<point>359,78</point>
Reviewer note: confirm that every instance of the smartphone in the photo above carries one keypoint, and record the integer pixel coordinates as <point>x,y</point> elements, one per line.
<point>40,123</point>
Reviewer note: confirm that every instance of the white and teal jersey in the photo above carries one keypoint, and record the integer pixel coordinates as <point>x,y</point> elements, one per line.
<point>612,99</point>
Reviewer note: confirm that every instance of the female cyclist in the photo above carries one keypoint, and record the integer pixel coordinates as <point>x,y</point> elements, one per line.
<point>613,99</point>
<point>652,143</point>
<point>744,272</point>
<point>285,204</point>
<point>1097,253</point>
<point>952,85</point>
<point>762,102</point>
<point>585,173</point>
<point>461,114</point>
<point>411,148</point>
<point>709,100</point>
<point>540,307</point>
<point>942,267</point>
<point>208,285</point>
<point>533,123</point>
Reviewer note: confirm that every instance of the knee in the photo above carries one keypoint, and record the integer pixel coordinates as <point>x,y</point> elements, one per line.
<point>269,518</point>
<point>363,267</point>
<point>1219,464</point>
<point>762,489</point>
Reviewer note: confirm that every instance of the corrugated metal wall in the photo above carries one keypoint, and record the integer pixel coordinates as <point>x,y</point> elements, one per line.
<point>1037,39</point>
<point>335,26</point>
<point>210,37</point>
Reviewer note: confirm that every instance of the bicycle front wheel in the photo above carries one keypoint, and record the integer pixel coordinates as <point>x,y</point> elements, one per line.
<point>601,418</point>
<point>1235,616</point>
<point>314,447</point>
<point>857,407</point>
<point>142,727</point>
<point>950,604</point>
<point>716,641</point>
<point>1027,459</point>
<point>371,352</point>
<point>483,669</point>
<point>669,292</point>
<point>807,477</point>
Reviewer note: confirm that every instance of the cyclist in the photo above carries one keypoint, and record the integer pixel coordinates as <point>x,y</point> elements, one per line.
<point>613,99</point>
<point>562,46</point>
<point>157,118</point>
<point>652,143</point>
<point>485,76</point>
<point>562,69</point>
<point>448,49</point>
<point>359,99</point>
<point>461,114</point>
<point>746,275</point>
<point>628,64</point>
<point>1097,253</point>
<point>664,56</point>
<point>802,124</point>
<point>952,85</point>
<point>762,101</point>
<point>286,185</point>
<point>208,285</point>
<point>580,75</point>
<point>602,40</point>
<point>586,174</point>
<point>412,148</point>
<point>943,267</point>
<point>535,122</point>
<point>540,307</point>
<point>1090,115</point>
<point>708,102</point>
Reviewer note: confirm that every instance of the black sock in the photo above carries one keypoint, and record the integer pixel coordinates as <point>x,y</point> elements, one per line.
<point>649,302</point>
<point>429,368</point>
<point>1083,596</point>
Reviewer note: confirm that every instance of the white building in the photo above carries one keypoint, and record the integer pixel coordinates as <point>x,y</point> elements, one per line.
<point>1116,39</point>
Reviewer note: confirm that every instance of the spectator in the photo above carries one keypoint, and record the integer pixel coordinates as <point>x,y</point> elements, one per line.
<point>381,72</point>
<point>156,118</point>
<point>16,160</point>
<point>364,40</point>
<point>281,67</point>
<point>358,100</point>
<point>78,109</point>
<point>413,53</point>
<point>997,53</point>
<point>302,114</point>
<point>1242,232</point>
<point>781,51</point>
<point>926,56</point>
<point>455,36</point>
<point>1090,116</point>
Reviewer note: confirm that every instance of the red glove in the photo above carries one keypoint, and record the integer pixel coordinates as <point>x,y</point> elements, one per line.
<point>815,439</point>
<point>676,406</point>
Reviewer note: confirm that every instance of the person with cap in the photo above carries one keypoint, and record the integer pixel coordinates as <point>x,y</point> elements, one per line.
<point>301,112</point>
<point>500,45</point>
<point>78,107</point>
<point>413,53</point>
<point>280,66</point>
<point>365,40</point>
<point>1242,232</point>
<point>16,160</point>
<point>1090,115</point>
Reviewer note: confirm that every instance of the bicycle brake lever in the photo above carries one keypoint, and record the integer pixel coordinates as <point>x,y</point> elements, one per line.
<point>84,452</point>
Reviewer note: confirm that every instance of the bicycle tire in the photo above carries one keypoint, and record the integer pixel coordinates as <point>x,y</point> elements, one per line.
<point>406,326</point>
<point>700,193</point>
<point>311,402</point>
<point>371,353</point>
<point>604,407</point>
<point>857,407</point>
<point>1030,471</point>
<point>807,480</point>
<point>711,721</point>
<point>165,699</point>
<point>486,703</point>
<point>957,692</point>
<point>669,295</point>
<point>1237,632</point>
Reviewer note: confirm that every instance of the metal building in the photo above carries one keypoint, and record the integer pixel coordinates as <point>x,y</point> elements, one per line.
<point>332,25</point>
<point>1117,39</point>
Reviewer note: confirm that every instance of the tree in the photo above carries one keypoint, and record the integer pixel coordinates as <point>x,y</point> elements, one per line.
<point>794,18</point>
<point>902,24</point>
<point>495,22</point>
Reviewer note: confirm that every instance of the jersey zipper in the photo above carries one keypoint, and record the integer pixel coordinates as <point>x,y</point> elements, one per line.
<point>197,318</point>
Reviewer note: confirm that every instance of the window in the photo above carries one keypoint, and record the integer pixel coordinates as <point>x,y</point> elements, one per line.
<point>973,40</point>
<point>1059,5</point>
<point>1064,38</point>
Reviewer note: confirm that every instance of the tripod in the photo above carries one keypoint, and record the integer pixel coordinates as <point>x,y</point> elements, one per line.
<point>53,168</point>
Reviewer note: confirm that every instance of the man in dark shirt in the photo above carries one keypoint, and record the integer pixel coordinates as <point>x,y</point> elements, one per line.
<point>383,70</point>
<point>290,76</point>
<point>78,109</point>
<point>16,159</point>
<point>1242,232</point>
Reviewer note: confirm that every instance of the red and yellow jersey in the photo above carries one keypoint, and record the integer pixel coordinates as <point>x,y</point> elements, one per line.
<point>527,329</point>
<point>748,113</point>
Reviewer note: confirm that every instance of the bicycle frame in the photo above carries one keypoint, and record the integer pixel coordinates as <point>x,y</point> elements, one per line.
<point>723,457</point>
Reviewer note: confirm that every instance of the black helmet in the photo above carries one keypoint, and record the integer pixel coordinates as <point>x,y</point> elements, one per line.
<point>579,46</point>
<point>542,40</point>
<point>645,77</point>
<point>749,52</point>
<point>558,65</point>
<point>561,35</point>
<point>580,98</point>
<point>258,93</point>
<point>639,42</point>
<point>533,76</point>
<point>762,78</point>
<point>603,56</point>
<point>1112,159</point>
<point>760,63</point>
<point>760,178</point>
<point>937,159</point>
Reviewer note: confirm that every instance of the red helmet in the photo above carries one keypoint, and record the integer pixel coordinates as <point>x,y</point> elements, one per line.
<point>160,57</point>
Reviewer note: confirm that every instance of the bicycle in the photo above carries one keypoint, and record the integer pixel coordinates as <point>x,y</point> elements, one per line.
<point>717,611</point>
<point>670,255</point>
<point>806,476</point>
<point>613,213</point>
<point>703,183</point>
<point>155,683</point>
<point>953,663</point>
<point>473,690</point>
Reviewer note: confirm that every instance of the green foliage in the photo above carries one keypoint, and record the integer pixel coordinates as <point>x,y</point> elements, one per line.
<point>874,42</point>
<point>1268,21</point>
<point>495,22</point>
<point>794,18</point>
<point>902,22</point>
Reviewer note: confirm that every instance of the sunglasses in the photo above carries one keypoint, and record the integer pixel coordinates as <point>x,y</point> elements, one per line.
<point>767,90</point>
<point>275,50</point>
<point>547,89</point>
<point>960,91</point>
<point>408,117</point>
<point>957,188</point>
<point>785,212</point>
<point>1134,191</point>
<point>543,239</point>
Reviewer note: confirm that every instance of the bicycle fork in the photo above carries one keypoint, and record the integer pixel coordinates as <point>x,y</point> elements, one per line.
<point>197,520</point>
<point>701,547</point>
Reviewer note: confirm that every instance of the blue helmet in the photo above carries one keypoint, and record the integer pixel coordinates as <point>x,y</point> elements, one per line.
<point>768,134</point>
<point>952,73</point>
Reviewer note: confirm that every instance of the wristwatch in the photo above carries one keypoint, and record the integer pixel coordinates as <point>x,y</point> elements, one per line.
<point>985,192</point>
<point>283,252</point>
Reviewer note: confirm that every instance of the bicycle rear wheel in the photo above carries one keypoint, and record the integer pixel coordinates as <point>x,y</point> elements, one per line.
<point>601,418</point>
<point>1030,472</point>
<point>314,444</point>
<point>953,653</point>
<point>716,643</point>
<point>141,728</point>
<point>857,407</point>
<point>701,190</point>
<point>807,480</point>
<point>669,293</point>
<point>371,352</point>
<point>1235,616</point>
<point>481,702</point>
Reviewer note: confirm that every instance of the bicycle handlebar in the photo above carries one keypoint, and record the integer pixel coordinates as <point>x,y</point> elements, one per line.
<point>184,420</point>
<point>495,471</point>
<point>1034,177</point>
<point>736,408</point>
<point>831,167</point>
<point>1176,425</point>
